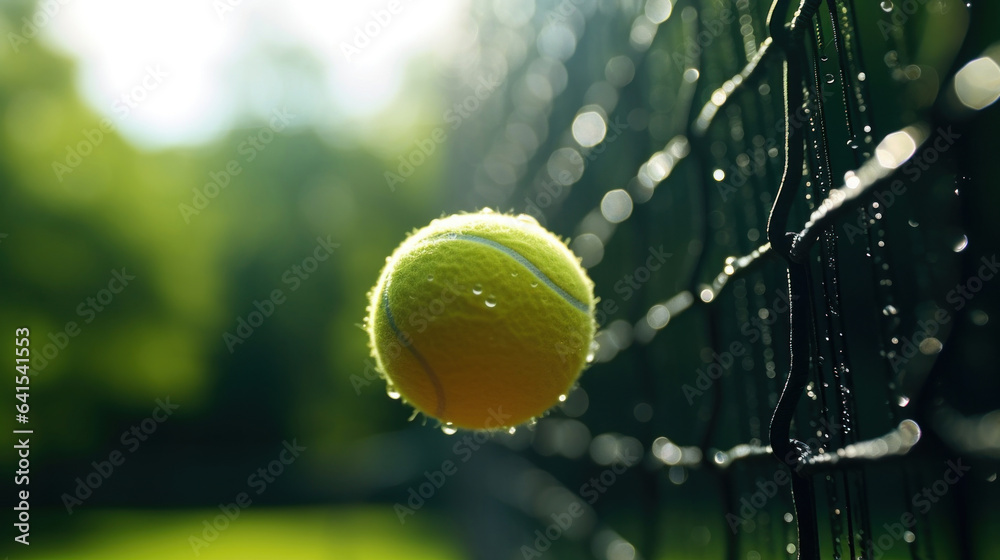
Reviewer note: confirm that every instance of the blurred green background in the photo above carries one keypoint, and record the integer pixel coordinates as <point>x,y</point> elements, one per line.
<point>138,232</point>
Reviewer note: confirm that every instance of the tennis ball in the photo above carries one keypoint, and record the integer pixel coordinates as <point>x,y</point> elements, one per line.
<point>482,320</point>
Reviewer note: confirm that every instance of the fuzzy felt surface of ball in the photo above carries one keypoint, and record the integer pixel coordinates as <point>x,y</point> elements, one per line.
<point>481,320</point>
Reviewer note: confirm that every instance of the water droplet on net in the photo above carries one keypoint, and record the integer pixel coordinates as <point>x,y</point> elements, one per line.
<point>477,289</point>
<point>889,310</point>
<point>491,301</point>
<point>448,429</point>
<point>534,284</point>
<point>961,244</point>
<point>430,277</point>
<point>562,398</point>
<point>886,6</point>
<point>512,431</point>
<point>392,392</point>
<point>829,78</point>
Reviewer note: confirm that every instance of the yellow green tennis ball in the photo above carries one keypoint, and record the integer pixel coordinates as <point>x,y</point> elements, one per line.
<point>482,320</point>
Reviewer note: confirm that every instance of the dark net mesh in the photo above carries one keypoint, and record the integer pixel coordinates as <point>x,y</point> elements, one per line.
<point>784,209</point>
